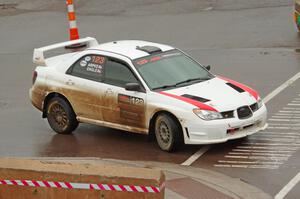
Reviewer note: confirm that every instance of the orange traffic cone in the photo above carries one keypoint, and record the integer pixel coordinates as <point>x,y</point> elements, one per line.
<point>72,21</point>
<point>73,30</point>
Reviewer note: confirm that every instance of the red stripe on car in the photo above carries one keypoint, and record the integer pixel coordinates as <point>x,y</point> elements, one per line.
<point>190,101</point>
<point>242,86</point>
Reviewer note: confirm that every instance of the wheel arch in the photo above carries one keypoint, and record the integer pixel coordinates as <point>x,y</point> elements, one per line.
<point>153,119</point>
<point>49,97</point>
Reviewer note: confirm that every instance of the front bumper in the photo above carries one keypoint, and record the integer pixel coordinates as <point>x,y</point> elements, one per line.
<point>198,131</point>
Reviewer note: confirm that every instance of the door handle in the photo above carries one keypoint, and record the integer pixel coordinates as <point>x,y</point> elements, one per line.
<point>109,91</point>
<point>70,82</point>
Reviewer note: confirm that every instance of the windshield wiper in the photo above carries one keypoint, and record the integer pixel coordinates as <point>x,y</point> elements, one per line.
<point>198,79</point>
<point>165,86</point>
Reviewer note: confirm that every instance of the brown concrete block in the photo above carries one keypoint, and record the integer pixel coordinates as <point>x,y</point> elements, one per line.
<point>297,6</point>
<point>84,174</point>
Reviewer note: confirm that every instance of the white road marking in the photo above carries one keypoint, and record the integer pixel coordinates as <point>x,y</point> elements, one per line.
<point>291,104</point>
<point>290,108</point>
<point>282,127</point>
<point>281,88</point>
<point>281,111</point>
<point>272,144</point>
<point>248,162</point>
<point>286,116</point>
<point>269,147</point>
<point>295,101</point>
<point>247,166</point>
<point>287,188</point>
<point>287,113</point>
<point>195,156</point>
<point>283,124</point>
<point>277,133</point>
<point>276,136</point>
<point>264,151</point>
<point>258,154</point>
<point>288,141</point>
<point>252,157</point>
<point>283,120</point>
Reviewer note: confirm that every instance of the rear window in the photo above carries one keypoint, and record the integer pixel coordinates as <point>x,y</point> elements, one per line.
<point>89,67</point>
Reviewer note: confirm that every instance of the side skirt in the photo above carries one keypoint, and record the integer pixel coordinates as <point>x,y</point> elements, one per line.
<point>113,125</point>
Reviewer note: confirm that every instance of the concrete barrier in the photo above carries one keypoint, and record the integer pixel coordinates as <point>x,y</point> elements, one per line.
<point>28,179</point>
<point>297,5</point>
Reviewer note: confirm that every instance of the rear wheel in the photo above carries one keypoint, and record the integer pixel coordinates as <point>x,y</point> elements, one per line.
<point>61,116</point>
<point>167,132</point>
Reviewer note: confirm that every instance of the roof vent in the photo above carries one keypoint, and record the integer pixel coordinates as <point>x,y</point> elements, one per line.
<point>149,49</point>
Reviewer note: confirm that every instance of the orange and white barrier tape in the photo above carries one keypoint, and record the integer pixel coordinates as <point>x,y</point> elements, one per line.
<point>88,186</point>
<point>72,21</point>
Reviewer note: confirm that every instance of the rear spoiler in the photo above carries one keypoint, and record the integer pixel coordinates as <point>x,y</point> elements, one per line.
<point>38,53</point>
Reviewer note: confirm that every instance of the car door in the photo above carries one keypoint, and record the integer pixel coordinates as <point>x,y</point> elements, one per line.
<point>83,82</point>
<point>120,105</point>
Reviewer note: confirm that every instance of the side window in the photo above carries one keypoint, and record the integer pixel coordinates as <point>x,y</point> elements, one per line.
<point>117,73</point>
<point>89,67</point>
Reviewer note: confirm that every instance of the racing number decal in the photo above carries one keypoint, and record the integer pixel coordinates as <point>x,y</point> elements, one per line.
<point>98,59</point>
<point>131,110</point>
<point>94,64</point>
<point>130,100</point>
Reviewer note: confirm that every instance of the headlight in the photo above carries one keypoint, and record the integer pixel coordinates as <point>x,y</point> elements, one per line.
<point>207,115</point>
<point>259,103</point>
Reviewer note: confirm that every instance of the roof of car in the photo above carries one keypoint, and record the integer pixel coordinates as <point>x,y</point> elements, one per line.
<point>131,48</point>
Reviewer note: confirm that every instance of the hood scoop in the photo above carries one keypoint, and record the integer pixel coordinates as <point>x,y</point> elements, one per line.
<point>199,99</point>
<point>238,89</point>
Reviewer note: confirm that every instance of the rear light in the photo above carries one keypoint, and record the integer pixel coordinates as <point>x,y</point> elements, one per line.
<point>34,76</point>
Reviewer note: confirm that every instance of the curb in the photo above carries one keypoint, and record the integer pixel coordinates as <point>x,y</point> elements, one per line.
<point>233,187</point>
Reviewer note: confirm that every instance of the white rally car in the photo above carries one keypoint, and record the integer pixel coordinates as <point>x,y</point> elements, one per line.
<point>143,87</point>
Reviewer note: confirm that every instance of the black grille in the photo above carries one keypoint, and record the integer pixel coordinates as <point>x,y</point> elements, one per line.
<point>244,112</point>
<point>200,99</point>
<point>238,89</point>
<point>227,114</point>
<point>254,107</point>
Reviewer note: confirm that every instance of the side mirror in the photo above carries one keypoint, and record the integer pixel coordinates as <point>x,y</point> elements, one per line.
<point>132,87</point>
<point>207,67</point>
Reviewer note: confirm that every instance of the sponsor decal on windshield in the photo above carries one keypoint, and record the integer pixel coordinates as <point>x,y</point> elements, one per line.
<point>155,58</point>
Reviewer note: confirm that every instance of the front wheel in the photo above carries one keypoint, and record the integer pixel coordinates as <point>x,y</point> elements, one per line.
<point>61,116</point>
<point>167,132</point>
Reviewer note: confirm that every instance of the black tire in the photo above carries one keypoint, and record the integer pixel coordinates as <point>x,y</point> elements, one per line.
<point>61,116</point>
<point>168,133</point>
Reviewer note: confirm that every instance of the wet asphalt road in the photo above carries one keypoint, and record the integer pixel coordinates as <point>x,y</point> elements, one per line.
<point>254,46</point>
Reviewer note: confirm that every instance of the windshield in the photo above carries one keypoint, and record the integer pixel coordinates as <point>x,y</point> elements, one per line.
<point>170,69</point>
